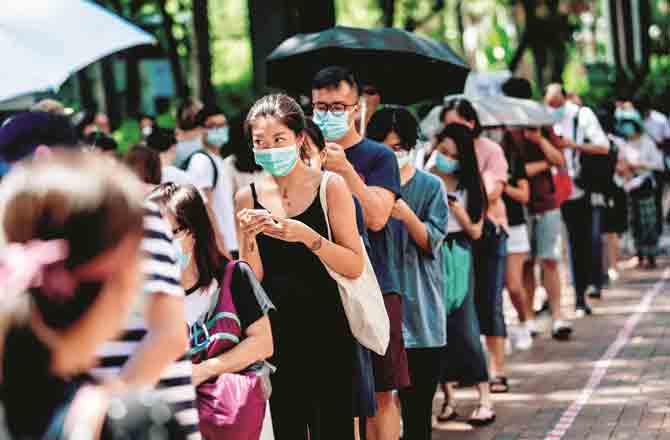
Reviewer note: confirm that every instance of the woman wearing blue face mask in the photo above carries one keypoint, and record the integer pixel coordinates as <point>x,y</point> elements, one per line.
<point>454,161</point>
<point>284,236</point>
<point>419,231</point>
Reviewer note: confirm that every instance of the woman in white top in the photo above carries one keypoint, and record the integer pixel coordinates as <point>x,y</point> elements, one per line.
<point>455,162</point>
<point>641,158</point>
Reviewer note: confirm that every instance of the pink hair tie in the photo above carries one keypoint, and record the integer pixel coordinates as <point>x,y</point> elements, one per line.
<point>25,265</point>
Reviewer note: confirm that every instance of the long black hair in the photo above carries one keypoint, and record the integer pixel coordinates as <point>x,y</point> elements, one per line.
<point>188,208</point>
<point>465,110</point>
<point>469,177</point>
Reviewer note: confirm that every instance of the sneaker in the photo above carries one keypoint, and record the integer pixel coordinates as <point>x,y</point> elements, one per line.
<point>561,330</point>
<point>524,340</point>
<point>583,310</point>
<point>531,325</point>
<point>613,275</point>
<point>593,292</point>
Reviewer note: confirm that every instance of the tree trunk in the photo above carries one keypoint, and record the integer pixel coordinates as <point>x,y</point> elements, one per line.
<point>109,85</point>
<point>267,32</point>
<point>202,51</point>
<point>308,16</point>
<point>460,25</point>
<point>86,97</point>
<point>133,84</point>
<point>181,87</point>
<point>388,9</point>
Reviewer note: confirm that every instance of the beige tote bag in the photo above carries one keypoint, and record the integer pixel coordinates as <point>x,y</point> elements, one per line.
<point>361,297</point>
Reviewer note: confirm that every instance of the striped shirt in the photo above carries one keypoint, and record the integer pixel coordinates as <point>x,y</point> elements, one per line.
<point>161,276</point>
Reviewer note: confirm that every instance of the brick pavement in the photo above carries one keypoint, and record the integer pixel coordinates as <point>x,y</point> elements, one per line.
<point>631,402</point>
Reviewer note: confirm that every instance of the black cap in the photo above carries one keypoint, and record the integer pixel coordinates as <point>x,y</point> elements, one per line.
<point>24,132</point>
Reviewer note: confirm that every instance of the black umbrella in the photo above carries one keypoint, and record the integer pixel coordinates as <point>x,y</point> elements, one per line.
<point>405,67</point>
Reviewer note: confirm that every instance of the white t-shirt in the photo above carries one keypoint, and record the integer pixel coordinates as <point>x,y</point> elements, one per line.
<point>175,175</point>
<point>201,172</point>
<point>657,126</point>
<point>644,152</point>
<point>588,128</point>
<point>453,225</point>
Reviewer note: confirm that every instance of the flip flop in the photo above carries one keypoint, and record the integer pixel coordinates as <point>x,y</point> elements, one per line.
<point>453,415</point>
<point>499,385</point>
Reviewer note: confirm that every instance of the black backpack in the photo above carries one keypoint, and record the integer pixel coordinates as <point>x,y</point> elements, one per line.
<point>185,164</point>
<point>596,170</point>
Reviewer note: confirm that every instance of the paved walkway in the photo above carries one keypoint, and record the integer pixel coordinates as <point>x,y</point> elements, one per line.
<point>573,390</point>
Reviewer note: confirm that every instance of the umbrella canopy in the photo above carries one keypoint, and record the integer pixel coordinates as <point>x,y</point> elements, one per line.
<point>494,111</point>
<point>405,67</point>
<point>43,42</point>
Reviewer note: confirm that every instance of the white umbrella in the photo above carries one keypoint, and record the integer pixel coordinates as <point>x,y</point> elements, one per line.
<point>496,111</point>
<point>43,42</point>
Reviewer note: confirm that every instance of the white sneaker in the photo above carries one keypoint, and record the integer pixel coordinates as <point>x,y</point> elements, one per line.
<point>561,330</point>
<point>580,313</point>
<point>531,326</point>
<point>524,341</point>
<point>613,275</point>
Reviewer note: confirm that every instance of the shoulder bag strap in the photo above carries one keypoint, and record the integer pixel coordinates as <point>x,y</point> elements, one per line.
<point>324,199</point>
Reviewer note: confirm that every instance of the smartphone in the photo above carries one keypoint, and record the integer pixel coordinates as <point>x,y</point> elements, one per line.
<point>452,198</point>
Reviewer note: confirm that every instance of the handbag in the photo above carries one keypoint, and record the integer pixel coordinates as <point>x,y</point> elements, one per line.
<point>456,261</point>
<point>562,184</point>
<point>231,405</point>
<point>362,297</point>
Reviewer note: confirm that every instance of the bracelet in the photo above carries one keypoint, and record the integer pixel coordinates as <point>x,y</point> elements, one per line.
<point>316,245</point>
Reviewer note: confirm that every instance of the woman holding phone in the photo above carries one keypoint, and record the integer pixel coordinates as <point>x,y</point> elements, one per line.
<point>454,161</point>
<point>284,238</point>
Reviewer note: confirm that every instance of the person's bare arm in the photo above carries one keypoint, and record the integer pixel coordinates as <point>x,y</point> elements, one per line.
<point>165,342</point>
<point>418,231</point>
<point>520,192</point>
<point>553,155</point>
<point>247,230</point>
<point>256,346</point>
<point>473,230</point>
<point>538,167</point>
<point>377,203</point>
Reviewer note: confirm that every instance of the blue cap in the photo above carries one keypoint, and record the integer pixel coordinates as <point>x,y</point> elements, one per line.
<point>24,132</point>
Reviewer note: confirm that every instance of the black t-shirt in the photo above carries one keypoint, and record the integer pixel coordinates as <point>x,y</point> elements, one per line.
<point>517,171</point>
<point>249,297</point>
<point>376,164</point>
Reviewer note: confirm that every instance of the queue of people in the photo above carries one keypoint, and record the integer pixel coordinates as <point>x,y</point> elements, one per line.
<point>222,290</point>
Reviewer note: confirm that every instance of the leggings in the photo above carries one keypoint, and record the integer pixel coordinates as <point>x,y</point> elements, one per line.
<point>417,399</point>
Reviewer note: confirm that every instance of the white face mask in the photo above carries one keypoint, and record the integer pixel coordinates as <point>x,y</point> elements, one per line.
<point>405,157</point>
<point>147,130</point>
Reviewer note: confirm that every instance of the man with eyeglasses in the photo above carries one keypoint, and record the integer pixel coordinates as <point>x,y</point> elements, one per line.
<point>371,171</point>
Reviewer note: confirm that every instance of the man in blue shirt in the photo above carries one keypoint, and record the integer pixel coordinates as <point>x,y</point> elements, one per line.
<point>371,171</point>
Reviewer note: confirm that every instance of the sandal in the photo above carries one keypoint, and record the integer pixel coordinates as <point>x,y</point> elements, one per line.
<point>482,416</point>
<point>447,414</point>
<point>499,385</point>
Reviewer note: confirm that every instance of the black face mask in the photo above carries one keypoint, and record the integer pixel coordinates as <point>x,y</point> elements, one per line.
<point>61,313</point>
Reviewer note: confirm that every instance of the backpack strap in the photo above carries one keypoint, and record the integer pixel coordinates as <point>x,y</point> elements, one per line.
<point>211,160</point>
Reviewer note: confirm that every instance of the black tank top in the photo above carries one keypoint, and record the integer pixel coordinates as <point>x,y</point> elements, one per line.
<point>293,275</point>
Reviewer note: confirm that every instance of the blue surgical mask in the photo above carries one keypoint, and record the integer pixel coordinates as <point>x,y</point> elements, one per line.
<point>218,136</point>
<point>446,164</point>
<point>627,130</point>
<point>277,161</point>
<point>186,148</point>
<point>558,113</point>
<point>334,127</point>
<point>182,259</point>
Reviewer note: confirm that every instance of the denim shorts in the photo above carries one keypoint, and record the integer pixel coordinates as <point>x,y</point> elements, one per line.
<point>546,242</point>
<point>490,263</point>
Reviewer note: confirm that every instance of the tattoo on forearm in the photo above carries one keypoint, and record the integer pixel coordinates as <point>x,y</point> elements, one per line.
<point>316,245</point>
